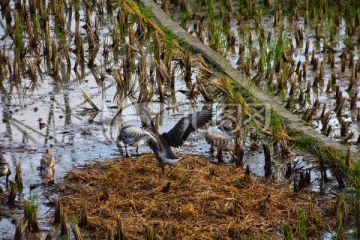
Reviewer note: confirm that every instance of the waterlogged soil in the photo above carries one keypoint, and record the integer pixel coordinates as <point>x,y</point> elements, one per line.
<point>49,110</point>
<point>257,36</point>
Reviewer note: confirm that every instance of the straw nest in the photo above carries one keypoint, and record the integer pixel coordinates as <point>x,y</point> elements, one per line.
<point>197,199</point>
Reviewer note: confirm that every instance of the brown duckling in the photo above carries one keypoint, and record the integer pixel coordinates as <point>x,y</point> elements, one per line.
<point>48,166</point>
<point>221,142</point>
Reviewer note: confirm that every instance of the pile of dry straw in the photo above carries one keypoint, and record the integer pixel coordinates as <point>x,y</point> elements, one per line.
<point>197,199</point>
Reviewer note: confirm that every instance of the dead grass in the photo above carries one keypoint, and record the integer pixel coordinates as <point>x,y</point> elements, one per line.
<point>195,200</point>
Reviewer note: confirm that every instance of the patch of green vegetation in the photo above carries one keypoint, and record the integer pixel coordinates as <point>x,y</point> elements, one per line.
<point>74,220</point>
<point>351,9</point>
<point>30,214</point>
<point>34,198</point>
<point>355,179</point>
<point>210,11</point>
<point>304,142</point>
<point>247,95</point>
<point>307,226</point>
<point>341,212</point>
<point>275,123</point>
<point>169,42</point>
<point>268,54</point>
<point>287,232</point>
<point>240,3</point>
<point>145,12</point>
<point>218,39</point>
<point>184,18</point>
<point>235,88</point>
<point>301,228</point>
<point>279,46</point>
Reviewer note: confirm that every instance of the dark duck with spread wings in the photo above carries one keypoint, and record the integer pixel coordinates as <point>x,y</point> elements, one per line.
<point>161,144</point>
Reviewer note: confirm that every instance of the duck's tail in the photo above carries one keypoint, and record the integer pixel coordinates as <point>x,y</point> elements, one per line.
<point>172,162</point>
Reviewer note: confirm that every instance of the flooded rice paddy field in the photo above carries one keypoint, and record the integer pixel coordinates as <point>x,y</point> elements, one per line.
<point>52,53</point>
<point>304,52</point>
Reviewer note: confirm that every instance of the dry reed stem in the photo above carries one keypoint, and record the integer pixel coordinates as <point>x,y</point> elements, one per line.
<point>19,230</point>
<point>63,224</point>
<point>12,194</point>
<point>18,175</point>
<point>88,99</point>
<point>195,206</point>
<point>58,210</point>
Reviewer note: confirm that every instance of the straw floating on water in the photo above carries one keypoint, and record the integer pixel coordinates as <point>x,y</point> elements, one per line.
<point>88,99</point>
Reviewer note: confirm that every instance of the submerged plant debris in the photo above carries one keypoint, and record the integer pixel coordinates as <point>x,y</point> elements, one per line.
<point>197,199</point>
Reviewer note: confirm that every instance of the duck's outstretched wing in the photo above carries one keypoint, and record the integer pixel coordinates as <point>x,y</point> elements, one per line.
<point>144,113</point>
<point>131,131</point>
<point>186,125</point>
<point>137,133</point>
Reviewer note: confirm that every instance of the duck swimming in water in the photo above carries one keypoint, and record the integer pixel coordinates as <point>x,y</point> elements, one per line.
<point>4,168</point>
<point>48,166</point>
<point>161,144</point>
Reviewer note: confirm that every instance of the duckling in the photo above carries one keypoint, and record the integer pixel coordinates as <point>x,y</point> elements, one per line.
<point>221,142</point>
<point>48,166</point>
<point>4,168</point>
